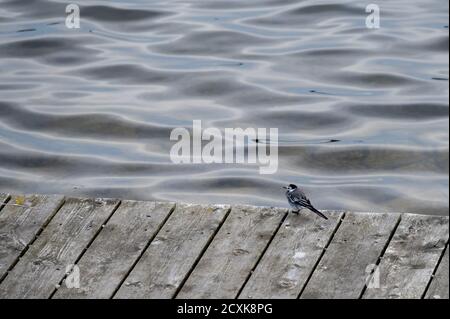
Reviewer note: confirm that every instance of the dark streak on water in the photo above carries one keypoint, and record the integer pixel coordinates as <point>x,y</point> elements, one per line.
<point>363,114</point>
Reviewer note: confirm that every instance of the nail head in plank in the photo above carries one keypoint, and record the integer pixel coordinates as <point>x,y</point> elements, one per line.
<point>173,252</point>
<point>118,246</point>
<point>233,253</point>
<point>357,245</point>
<point>290,258</point>
<point>21,221</point>
<point>411,257</point>
<point>59,245</point>
<point>439,284</point>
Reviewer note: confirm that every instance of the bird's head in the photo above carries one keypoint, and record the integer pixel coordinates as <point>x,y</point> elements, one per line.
<point>290,187</point>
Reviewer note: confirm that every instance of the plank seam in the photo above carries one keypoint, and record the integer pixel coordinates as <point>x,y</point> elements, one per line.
<point>5,201</point>
<point>383,251</point>
<point>434,271</point>
<point>322,254</point>
<point>262,254</point>
<point>87,246</point>
<point>38,233</point>
<point>143,250</point>
<point>199,257</point>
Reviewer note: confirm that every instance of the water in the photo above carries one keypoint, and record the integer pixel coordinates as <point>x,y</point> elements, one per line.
<point>362,113</point>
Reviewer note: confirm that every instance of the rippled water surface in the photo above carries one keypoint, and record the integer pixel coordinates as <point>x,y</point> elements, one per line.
<point>362,113</point>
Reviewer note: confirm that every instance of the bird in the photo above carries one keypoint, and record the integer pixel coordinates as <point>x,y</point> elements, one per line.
<point>298,200</point>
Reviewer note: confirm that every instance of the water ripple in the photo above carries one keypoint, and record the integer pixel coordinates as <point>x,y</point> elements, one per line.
<point>362,114</point>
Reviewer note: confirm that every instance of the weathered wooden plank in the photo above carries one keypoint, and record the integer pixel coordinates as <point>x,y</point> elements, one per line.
<point>3,198</point>
<point>290,258</point>
<point>112,254</point>
<point>59,245</point>
<point>20,222</point>
<point>173,252</point>
<point>411,257</point>
<point>356,246</point>
<point>439,285</point>
<point>233,253</point>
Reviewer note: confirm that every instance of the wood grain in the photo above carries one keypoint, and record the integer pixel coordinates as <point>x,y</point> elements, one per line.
<point>135,249</point>
<point>233,253</point>
<point>439,285</point>
<point>59,245</point>
<point>120,243</point>
<point>411,257</point>
<point>20,222</point>
<point>173,252</point>
<point>357,244</point>
<point>3,198</point>
<point>290,259</point>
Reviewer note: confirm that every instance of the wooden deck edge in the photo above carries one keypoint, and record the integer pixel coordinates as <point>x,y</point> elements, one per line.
<point>440,220</point>
<point>9,195</point>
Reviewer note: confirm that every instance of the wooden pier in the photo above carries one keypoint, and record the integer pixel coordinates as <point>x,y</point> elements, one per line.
<point>138,249</point>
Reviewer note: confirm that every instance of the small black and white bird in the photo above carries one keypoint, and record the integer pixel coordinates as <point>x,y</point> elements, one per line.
<point>298,200</point>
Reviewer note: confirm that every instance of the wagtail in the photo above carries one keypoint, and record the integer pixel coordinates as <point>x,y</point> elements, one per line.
<point>298,200</point>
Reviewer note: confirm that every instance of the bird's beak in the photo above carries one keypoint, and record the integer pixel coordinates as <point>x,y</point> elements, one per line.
<point>284,187</point>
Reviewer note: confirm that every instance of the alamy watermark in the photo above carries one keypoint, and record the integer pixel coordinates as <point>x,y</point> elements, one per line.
<point>373,277</point>
<point>73,16</point>
<point>73,277</point>
<point>236,145</point>
<point>373,19</point>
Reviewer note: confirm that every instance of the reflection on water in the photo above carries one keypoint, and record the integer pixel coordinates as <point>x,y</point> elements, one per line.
<point>362,114</point>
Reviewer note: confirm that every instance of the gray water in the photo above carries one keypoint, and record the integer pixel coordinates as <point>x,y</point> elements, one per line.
<point>362,113</point>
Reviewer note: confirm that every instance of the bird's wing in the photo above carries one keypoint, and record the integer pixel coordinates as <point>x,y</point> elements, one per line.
<point>299,198</point>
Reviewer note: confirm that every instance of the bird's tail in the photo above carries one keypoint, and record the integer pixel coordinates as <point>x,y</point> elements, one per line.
<point>317,212</point>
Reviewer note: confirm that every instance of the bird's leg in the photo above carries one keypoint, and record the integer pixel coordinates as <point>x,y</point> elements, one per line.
<point>296,211</point>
